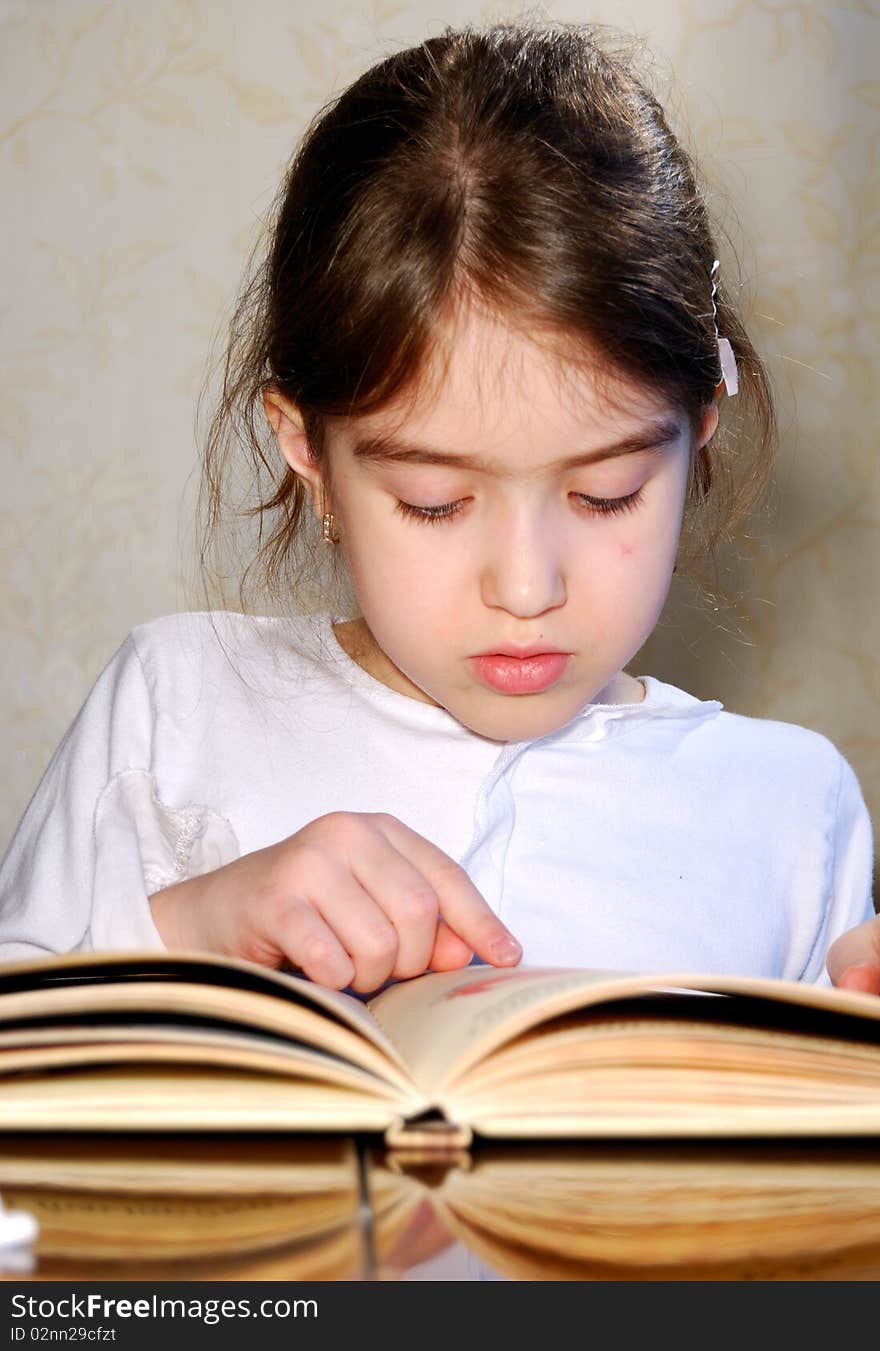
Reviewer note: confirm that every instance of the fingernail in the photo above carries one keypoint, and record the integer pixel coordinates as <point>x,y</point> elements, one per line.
<point>506,949</point>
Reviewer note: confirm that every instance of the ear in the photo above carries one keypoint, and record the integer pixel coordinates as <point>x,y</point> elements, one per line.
<point>284,419</point>
<point>710,424</point>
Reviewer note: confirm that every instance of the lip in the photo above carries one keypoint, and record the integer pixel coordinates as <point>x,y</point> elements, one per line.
<point>508,673</point>
<point>522,652</point>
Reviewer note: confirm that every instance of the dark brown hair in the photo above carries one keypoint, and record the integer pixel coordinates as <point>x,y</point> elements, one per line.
<point>522,166</point>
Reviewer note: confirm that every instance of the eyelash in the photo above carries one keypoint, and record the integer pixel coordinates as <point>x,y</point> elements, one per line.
<point>598,506</point>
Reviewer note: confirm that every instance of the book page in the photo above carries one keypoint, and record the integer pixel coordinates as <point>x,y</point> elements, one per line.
<point>140,1001</point>
<point>45,973</point>
<point>160,1046</point>
<point>199,986</point>
<point>446,1022</point>
<point>168,1096</point>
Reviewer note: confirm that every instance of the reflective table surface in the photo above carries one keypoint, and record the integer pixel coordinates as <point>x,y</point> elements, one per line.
<point>277,1208</point>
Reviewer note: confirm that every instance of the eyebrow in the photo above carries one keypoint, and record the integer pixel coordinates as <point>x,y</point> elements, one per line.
<point>381,449</point>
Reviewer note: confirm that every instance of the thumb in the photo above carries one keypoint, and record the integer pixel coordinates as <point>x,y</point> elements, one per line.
<point>864,976</point>
<point>858,947</point>
<point>450,952</point>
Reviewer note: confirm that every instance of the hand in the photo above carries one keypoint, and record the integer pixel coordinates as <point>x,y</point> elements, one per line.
<point>352,899</point>
<point>854,958</point>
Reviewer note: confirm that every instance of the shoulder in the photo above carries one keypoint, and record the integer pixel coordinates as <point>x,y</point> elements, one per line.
<point>190,628</point>
<point>740,747</point>
<point>222,649</point>
<point>212,632</point>
<point>783,762</point>
<point>773,739</point>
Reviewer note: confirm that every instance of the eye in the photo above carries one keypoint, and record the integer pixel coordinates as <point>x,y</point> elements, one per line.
<point>441,513</point>
<point>609,506</point>
<point>596,506</point>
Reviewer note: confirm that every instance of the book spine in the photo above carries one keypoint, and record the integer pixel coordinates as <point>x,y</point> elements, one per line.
<point>427,1138</point>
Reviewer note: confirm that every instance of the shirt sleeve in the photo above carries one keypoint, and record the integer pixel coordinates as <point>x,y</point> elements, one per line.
<point>848,900</point>
<point>97,840</point>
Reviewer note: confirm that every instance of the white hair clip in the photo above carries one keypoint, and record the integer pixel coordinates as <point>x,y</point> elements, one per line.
<point>729,373</point>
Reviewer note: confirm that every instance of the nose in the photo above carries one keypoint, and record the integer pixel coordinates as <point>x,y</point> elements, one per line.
<point>523,570</point>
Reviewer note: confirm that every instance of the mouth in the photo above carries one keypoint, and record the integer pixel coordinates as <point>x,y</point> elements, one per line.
<point>512,673</point>
<point>522,653</point>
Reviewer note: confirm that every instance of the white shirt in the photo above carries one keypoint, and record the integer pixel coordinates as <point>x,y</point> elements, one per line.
<point>667,835</point>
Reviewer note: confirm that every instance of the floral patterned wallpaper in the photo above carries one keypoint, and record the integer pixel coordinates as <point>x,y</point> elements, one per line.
<point>140,143</point>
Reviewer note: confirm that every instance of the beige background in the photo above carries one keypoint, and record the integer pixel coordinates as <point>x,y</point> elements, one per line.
<point>140,143</point>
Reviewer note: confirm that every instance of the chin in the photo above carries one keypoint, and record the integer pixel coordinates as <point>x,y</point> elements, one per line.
<point>518,718</point>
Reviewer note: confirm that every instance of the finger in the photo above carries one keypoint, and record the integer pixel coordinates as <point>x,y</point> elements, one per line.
<point>311,945</point>
<point>403,894</point>
<point>462,907</point>
<point>864,976</point>
<point>450,952</point>
<point>360,925</point>
<point>861,944</point>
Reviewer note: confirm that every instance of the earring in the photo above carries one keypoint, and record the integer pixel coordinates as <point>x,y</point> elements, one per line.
<point>327,530</point>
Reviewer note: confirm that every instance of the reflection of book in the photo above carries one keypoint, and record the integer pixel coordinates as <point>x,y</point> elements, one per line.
<point>188,1208</point>
<point>746,1211</point>
<point>273,1208</point>
<point>188,1042</point>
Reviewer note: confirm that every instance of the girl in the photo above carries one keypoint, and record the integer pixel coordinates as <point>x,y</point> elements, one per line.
<point>486,338</point>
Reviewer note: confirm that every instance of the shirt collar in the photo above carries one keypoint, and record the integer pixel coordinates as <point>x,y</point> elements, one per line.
<point>596,721</point>
<point>593,722</point>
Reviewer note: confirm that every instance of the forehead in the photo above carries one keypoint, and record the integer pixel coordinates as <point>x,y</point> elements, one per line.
<point>491,385</point>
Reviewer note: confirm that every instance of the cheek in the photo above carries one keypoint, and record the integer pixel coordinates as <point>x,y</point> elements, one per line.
<point>640,563</point>
<point>637,551</point>
<point>648,542</point>
<point>648,554</point>
<point>385,565</point>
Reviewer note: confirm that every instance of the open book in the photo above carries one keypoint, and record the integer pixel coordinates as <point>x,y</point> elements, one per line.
<point>189,1042</point>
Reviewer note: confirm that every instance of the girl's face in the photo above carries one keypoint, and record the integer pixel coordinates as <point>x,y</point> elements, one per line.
<point>499,545</point>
